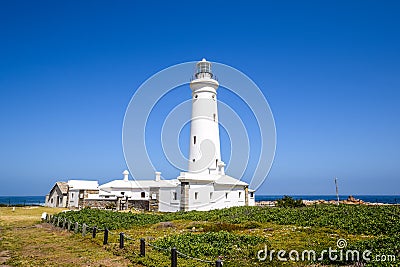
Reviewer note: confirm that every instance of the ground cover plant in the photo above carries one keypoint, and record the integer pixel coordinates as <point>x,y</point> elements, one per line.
<point>237,234</point>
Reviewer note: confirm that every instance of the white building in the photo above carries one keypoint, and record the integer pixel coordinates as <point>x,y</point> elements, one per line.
<point>204,187</point>
<point>58,196</point>
<point>71,194</point>
<point>157,194</point>
<point>79,190</point>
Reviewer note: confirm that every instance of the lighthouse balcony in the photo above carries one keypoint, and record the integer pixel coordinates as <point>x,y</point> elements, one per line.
<point>204,75</point>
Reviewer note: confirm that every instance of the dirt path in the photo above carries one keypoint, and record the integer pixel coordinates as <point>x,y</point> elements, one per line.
<point>28,243</point>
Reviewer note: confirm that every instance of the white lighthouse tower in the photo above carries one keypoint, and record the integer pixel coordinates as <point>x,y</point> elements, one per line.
<point>204,149</point>
<point>206,186</point>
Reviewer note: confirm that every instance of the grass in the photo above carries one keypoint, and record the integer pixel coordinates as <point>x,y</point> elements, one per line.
<point>27,242</point>
<point>285,237</point>
<point>375,228</point>
<point>235,234</point>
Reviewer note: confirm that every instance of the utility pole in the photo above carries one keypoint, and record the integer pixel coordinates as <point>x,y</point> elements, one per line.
<point>337,191</point>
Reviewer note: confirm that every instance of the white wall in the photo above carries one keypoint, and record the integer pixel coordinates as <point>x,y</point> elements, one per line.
<point>56,199</point>
<point>252,198</point>
<point>204,197</point>
<point>167,203</point>
<point>226,197</point>
<point>73,198</point>
<point>132,193</point>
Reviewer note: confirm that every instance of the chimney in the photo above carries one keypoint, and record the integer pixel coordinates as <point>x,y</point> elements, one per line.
<point>158,176</point>
<point>126,175</point>
<point>221,168</point>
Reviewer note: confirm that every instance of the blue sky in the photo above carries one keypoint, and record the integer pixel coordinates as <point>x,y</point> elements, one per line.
<point>330,71</point>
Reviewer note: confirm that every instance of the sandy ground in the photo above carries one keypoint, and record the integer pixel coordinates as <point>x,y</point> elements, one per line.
<point>24,241</point>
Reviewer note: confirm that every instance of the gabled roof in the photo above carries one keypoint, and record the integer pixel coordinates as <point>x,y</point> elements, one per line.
<point>226,179</point>
<point>63,186</point>
<point>83,185</point>
<point>132,184</point>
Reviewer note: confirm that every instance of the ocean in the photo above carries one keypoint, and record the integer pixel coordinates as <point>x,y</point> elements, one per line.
<point>387,199</point>
<point>39,200</point>
<point>22,200</point>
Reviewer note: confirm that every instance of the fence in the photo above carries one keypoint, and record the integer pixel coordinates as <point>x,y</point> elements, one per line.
<point>84,229</point>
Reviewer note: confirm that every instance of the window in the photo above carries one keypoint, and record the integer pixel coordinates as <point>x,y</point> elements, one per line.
<point>52,200</point>
<point>174,196</point>
<point>194,140</point>
<point>196,195</point>
<point>215,117</point>
<point>194,160</point>
<point>143,195</point>
<point>72,195</point>
<point>240,194</point>
<point>195,96</point>
<point>211,195</point>
<point>226,195</point>
<point>251,194</point>
<point>216,163</point>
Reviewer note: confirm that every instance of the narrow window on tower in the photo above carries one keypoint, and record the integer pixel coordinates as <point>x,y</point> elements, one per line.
<point>216,163</point>
<point>194,140</point>
<point>215,117</point>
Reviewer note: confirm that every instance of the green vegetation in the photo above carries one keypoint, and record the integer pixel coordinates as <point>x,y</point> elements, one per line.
<point>25,241</point>
<point>367,220</point>
<point>289,202</point>
<point>235,248</point>
<point>237,234</point>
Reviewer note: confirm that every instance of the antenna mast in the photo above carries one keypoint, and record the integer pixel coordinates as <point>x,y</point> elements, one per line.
<point>337,191</point>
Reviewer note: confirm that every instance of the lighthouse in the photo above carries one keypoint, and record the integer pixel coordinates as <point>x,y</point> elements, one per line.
<point>205,186</point>
<point>204,148</point>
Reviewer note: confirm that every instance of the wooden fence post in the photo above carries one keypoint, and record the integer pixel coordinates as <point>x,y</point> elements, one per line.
<point>69,225</point>
<point>76,227</point>
<point>94,231</point>
<point>105,240</point>
<point>121,240</point>
<point>84,229</point>
<point>174,258</point>
<point>142,247</point>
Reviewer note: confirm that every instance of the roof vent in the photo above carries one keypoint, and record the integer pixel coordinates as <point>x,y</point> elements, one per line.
<point>158,176</point>
<point>126,175</point>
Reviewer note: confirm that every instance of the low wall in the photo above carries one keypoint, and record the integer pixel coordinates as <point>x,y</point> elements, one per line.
<point>99,203</point>
<point>112,204</point>
<point>139,204</point>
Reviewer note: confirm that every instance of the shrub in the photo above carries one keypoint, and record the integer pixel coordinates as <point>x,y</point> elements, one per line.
<point>289,202</point>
